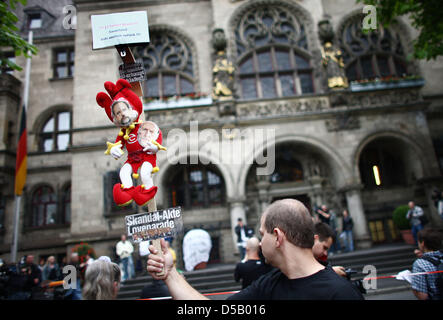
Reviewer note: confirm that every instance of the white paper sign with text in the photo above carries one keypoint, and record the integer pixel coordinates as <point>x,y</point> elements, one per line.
<point>119,28</point>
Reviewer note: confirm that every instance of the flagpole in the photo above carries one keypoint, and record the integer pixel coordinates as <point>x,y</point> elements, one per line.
<point>14,246</point>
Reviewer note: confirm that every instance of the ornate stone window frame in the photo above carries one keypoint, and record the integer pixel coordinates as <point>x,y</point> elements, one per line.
<point>309,51</point>
<point>159,69</point>
<point>398,34</point>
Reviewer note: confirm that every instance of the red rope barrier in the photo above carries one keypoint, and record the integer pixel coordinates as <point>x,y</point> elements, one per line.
<point>205,294</point>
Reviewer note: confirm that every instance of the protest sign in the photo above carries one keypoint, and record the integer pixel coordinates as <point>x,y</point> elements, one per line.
<point>132,72</point>
<point>154,225</point>
<point>114,29</point>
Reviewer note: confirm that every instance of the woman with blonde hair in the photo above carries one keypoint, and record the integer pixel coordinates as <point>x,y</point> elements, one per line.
<point>102,280</point>
<point>51,270</point>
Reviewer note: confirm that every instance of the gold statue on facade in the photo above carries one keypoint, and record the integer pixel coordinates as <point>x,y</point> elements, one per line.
<point>332,58</point>
<point>223,70</point>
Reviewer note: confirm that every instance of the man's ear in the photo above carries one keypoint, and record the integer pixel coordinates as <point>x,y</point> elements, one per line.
<point>279,236</point>
<point>316,237</point>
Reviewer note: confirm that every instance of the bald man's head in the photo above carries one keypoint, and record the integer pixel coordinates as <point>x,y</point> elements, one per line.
<point>253,244</point>
<point>293,218</point>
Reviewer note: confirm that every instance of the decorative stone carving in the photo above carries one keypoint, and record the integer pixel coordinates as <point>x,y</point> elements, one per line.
<point>282,108</point>
<point>385,98</point>
<point>374,99</point>
<point>325,31</point>
<point>343,121</point>
<point>182,117</point>
<point>270,21</point>
<point>226,108</point>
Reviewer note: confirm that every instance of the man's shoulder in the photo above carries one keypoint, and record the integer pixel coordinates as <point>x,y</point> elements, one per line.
<point>429,260</point>
<point>260,289</point>
<point>273,274</point>
<point>343,288</point>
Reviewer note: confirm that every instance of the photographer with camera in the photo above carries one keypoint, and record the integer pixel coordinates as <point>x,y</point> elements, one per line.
<point>323,240</point>
<point>23,280</point>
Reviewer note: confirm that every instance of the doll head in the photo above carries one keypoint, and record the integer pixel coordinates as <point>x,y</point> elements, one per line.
<point>147,132</point>
<point>122,106</point>
<point>122,113</point>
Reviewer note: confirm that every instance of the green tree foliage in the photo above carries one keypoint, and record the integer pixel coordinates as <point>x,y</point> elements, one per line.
<point>425,15</point>
<point>9,37</point>
<point>399,217</point>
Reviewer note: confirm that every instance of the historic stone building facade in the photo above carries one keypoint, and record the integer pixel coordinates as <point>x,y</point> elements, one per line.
<point>284,87</point>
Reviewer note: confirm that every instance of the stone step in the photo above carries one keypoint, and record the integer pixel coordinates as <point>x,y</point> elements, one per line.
<point>132,294</point>
<point>399,262</point>
<point>372,259</point>
<point>219,280</point>
<point>214,285</point>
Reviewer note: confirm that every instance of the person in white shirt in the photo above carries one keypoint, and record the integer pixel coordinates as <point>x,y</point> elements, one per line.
<point>124,251</point>
<point>243,234</point>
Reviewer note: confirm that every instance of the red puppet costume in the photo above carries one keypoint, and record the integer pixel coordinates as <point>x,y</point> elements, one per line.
<point>141,139</point>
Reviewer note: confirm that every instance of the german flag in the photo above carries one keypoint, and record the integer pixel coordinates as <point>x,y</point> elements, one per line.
<point>21,157</point>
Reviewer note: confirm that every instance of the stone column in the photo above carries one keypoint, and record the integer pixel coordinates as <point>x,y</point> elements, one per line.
<point>362,238</point>
<point>237,210</point>
<point>429,184</point>
<point>263,185</point>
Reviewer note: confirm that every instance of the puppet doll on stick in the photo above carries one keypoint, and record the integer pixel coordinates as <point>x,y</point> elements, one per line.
<point>142,141</point>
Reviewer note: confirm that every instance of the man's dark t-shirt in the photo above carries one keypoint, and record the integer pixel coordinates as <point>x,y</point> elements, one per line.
<point>323,285</point>
<point>250,271</point>
<point>157,289</point>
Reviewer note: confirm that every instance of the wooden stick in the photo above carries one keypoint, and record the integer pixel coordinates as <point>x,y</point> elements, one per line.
<point>127,57</point>
<point>152,206</point>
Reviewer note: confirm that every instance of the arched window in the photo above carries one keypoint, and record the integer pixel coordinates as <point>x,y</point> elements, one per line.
<point>272,54</point>
<point>168,62</point>
<point>55,134</point>
<point>197,186</point>
<point>287,167</point>
<point>44,207</point>
<point>66,204</point>
<point>377,54</point>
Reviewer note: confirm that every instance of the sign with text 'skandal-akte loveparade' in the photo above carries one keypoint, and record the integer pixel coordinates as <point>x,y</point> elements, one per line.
<point>153,225</point>
<point>119,28</point>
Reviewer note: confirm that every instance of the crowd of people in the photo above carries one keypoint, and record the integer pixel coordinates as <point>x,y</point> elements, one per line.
<point>289,261</point>
<point>288,240</point>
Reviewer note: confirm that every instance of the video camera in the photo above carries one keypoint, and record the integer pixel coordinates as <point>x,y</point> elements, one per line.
<point>356,283</point>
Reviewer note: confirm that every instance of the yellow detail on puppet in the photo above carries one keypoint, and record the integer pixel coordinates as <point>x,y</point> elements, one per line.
<point>124,132</point>
<point>110,145</point>
<point>159,146</point>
